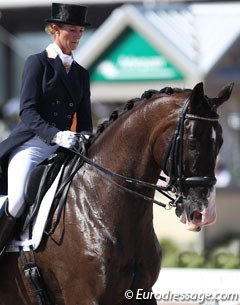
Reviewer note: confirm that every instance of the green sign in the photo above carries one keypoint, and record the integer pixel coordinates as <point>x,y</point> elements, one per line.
<point>132,58</point>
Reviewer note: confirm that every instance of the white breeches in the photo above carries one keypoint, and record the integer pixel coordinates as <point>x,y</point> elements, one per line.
<point>22,160</point>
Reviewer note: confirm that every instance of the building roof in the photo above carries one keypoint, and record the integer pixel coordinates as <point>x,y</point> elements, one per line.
<point>201,32</point>
<point>194,36</point>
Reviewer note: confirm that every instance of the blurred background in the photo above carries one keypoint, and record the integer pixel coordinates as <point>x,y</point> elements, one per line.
<point>133,46</point>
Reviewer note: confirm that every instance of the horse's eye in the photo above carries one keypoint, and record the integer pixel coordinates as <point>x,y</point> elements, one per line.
<point>192,144</point>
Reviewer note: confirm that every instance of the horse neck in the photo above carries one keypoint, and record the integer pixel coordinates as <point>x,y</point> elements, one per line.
<point>126,146</point>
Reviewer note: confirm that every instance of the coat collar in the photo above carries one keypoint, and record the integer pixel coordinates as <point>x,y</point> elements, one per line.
<point>54,50</point>
<point>51,52</point>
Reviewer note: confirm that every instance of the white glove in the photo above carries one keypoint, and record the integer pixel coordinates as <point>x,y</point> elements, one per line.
<point>65,139</point>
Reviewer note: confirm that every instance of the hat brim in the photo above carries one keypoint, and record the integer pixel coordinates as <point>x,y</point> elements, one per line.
<point>67,22</point>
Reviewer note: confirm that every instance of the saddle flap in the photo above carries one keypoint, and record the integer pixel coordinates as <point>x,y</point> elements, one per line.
<point>41,177</point>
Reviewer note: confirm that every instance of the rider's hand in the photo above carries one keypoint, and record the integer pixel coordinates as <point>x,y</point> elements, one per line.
<point>65,139</point>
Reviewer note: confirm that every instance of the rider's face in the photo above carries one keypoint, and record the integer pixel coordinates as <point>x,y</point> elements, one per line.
<point>67,37</point>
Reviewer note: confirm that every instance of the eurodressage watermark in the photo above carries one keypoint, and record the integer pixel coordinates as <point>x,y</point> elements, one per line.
<point>170,296</point>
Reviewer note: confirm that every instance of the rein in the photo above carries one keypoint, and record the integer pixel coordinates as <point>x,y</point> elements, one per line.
<point>174,154</point>
<point>163,190</point>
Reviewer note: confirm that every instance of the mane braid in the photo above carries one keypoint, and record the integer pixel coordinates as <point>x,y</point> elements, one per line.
<point>128,106</point>
<point>113,116</point>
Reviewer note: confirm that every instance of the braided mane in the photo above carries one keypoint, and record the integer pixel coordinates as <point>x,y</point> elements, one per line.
<point>129,105</point>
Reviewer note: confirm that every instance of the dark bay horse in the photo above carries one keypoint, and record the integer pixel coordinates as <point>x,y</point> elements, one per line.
<point>109,246</point>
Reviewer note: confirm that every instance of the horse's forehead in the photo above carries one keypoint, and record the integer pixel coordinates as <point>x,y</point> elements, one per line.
<point>203,127</point>
<point>214,134</point>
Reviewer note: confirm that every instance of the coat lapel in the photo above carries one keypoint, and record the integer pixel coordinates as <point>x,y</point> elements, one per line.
<point>57,65</point>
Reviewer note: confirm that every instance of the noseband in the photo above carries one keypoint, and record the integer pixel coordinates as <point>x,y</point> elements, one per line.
<point>174,155</point>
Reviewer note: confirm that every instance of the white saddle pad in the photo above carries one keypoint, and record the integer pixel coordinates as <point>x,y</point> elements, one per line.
<point>39,223</point>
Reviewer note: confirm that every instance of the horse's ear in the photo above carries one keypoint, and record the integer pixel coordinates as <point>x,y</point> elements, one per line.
<point>222,97</point>
<point>225,93</point>
<point>196,97</point>
<point>198,90</point>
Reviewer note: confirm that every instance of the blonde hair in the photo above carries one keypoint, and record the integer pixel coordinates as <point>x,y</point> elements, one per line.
<point>50,30</point>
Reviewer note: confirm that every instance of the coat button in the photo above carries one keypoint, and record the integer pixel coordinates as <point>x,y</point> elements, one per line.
<point>55,113</point>
<point>70,104</point>
<point>69,116</point>
<point>58,102</point>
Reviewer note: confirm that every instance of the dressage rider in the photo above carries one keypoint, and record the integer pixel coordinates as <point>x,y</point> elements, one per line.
<point>54,89</point>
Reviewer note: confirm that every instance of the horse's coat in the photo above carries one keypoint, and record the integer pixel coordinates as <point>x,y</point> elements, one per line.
<point>109,245</point>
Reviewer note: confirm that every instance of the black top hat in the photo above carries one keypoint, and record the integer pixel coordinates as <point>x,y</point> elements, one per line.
<point>69,14</point>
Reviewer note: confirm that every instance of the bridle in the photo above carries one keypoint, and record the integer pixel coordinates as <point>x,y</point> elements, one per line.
<point>174,155</point>
<point>176,182</point>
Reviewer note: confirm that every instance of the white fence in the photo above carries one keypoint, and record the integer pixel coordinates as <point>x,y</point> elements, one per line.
<point>199,286</point>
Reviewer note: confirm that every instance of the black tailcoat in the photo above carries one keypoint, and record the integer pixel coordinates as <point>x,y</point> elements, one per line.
<point>49,98</point>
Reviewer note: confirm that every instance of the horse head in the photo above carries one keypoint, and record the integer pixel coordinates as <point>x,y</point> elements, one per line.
<point>191,158</point>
